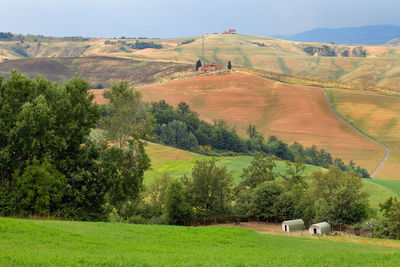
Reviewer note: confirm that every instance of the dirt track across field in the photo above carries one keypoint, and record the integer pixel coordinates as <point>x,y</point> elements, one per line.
<point>387,149</point>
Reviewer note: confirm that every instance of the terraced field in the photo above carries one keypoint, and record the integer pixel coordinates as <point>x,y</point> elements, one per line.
<point>291,112</point>
<point>43,243</point>
<point>376,115</point>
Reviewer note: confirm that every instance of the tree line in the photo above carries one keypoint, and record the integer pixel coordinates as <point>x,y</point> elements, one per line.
<point>139,45</point>
<point>264,194</point>
<point>182,128</point>
<point>333,196</point>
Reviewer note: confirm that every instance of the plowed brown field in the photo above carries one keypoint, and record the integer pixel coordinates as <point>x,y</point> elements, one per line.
<point>291,112</point>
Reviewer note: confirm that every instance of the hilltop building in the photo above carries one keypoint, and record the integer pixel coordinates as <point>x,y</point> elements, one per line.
<point>293,225</point>
<point>230,31</point>
<point>211,67</point>
<point>320,228</point>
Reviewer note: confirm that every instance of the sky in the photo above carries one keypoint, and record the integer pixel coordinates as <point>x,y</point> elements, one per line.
<point>181,18</point>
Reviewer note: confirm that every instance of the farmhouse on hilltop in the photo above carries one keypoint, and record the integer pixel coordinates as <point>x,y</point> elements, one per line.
<point>211,67</point>
<point>230,31</point>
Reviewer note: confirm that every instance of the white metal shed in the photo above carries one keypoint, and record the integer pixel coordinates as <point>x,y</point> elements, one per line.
<point>293,225</point>
<point>320,228</point>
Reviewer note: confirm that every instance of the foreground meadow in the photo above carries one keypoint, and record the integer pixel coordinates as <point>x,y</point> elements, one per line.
<point>44,243</point>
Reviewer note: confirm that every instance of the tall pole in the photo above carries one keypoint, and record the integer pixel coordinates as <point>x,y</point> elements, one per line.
<point>202,46</point>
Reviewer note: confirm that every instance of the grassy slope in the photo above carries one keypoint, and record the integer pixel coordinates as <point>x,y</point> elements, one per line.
<point>97,70</point>
<point>178,162</point>
<point>381,67</point>
<point>34,243</point>
<point>291,112</point>
<point>392,185</point>
<point>376,115</point>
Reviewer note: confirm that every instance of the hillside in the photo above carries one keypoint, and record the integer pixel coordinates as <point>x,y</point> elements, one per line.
<point>376,115</point>
<point>366,35</point>
<point>177,162</point>
<point>96,70</point>
<point>393,42</point>
<point>361,65</point>
<point>38,243</point>
<point>291,112</point>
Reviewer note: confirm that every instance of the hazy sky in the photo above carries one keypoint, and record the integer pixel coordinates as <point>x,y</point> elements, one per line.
<point>178,18</point>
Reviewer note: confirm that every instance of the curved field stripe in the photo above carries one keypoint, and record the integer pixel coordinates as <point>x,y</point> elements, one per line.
<point>387,149</point>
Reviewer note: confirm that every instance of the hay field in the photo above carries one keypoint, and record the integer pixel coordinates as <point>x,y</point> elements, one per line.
<point>291,112</point>
<point>376,115</point>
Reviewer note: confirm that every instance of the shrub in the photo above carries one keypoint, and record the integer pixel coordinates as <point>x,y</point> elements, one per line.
<point>177,211</point>
<point>188,41</point>
<point>137,219</point>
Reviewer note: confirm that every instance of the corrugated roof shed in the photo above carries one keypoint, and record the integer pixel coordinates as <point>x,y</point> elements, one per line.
<point>293,225</point>
<point>321,228</point>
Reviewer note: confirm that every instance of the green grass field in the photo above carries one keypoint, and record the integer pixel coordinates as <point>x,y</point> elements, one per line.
<point>63,243</point>
<point>177,162</point>
<point>392,185</point>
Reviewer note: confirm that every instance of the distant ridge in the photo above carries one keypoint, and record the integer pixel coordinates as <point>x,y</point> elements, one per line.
<point>394,42</point>
<point>366,35</point>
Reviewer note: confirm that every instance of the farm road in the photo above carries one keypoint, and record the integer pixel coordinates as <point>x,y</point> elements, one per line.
<point>387,149</point>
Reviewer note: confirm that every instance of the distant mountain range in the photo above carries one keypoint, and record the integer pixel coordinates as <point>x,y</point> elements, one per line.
<point>366,35</point>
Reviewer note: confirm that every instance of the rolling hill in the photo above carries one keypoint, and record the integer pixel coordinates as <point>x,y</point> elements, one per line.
<point>370,65</point>
<point>177,162</point>
<point>96,70</point>
<point>291,112</point>
<point>393,42</point>
<point>376,115</point>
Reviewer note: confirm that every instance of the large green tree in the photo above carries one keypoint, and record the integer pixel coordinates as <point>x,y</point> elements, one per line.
<point>391,214</point>
<point>39,121</point>
<point>260,170</point>
<point>44,136</point>
<point>339,197</point>
<point>129,117</point>
<point>209,189</point>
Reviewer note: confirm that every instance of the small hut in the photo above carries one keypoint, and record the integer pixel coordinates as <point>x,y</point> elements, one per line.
<point>320,228</point>
<point>293,225</point>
